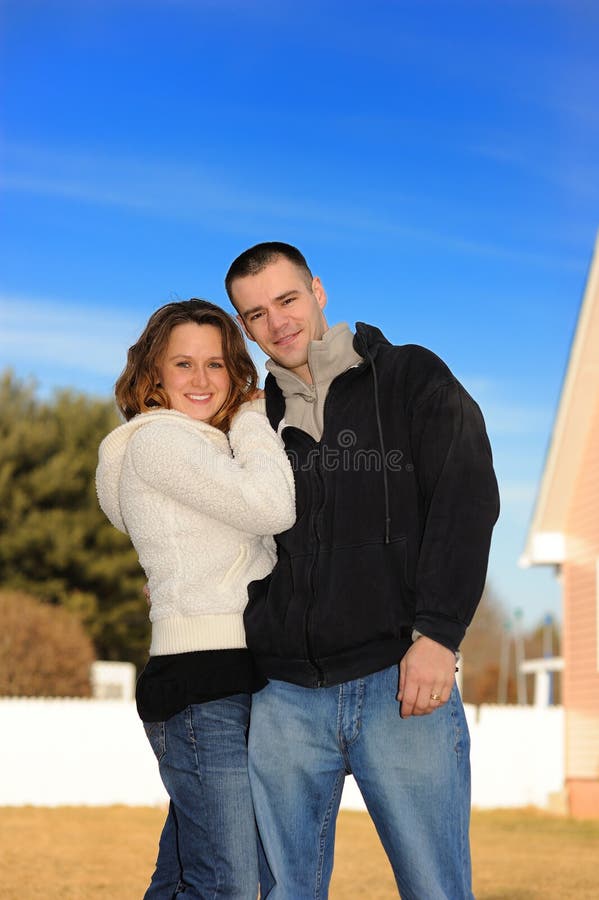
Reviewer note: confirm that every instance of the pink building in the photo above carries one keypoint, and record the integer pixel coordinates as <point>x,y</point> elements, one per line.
<point>564,533</point>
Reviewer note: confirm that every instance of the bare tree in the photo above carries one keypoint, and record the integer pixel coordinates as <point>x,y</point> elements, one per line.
<point>44,649</point>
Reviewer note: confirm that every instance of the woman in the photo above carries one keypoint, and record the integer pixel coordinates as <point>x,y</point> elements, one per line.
<point>200,482</point>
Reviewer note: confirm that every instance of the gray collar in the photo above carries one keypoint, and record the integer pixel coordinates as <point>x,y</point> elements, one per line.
<point>327,358</point>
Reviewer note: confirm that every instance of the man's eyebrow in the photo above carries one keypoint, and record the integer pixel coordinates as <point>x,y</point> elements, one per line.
<point>250,312</point>
<point>278,298</point>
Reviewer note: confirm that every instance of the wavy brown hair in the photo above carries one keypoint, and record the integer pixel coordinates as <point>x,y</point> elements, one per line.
<point>138,388</point>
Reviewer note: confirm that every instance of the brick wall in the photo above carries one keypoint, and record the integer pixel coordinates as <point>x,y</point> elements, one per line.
<point>580,650</point>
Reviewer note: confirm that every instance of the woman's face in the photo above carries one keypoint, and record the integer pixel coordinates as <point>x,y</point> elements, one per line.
<point>193,371</point>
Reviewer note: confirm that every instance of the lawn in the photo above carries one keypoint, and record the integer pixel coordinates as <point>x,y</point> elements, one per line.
<point>88,853</point>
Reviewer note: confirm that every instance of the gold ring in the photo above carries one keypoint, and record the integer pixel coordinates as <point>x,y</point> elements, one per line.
<point>435,696</point>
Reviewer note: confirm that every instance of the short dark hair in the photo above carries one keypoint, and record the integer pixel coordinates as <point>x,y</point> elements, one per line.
<point>138,389</point>
<point>257,258</point>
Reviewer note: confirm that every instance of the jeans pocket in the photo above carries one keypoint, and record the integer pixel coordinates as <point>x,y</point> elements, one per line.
<point>155,733</point>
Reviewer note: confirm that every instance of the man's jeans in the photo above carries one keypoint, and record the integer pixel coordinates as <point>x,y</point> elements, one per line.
<point>414,775</point>
<point>208,846</point>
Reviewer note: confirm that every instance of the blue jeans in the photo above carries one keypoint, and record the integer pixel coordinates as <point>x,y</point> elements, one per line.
<point>414,775</point>
<point>208,846</point>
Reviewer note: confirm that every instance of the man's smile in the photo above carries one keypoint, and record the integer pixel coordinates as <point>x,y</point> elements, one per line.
<point>287,339</point>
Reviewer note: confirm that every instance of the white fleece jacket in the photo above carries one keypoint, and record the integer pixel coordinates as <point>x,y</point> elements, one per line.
<point>201,510</point>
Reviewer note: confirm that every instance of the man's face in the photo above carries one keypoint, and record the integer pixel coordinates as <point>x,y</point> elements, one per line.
<point>282,311</point>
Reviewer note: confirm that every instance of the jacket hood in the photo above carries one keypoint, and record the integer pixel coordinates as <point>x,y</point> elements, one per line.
<point>368,340</point>
<point>113,448</point>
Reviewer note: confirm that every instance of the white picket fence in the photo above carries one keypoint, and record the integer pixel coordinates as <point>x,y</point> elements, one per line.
<point>57,752</point>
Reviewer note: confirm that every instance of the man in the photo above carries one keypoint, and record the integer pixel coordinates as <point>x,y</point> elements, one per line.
<point>359,625</point>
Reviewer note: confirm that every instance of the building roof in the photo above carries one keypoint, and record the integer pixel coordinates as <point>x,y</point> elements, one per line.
<point>545,544</point>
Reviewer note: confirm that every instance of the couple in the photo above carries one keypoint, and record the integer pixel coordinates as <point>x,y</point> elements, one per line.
<point>373,469</point>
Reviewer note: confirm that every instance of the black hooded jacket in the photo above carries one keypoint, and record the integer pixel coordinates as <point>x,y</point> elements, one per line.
<point>395,508</point>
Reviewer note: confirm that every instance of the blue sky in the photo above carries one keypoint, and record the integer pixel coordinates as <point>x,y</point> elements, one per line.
<point>436,160</point>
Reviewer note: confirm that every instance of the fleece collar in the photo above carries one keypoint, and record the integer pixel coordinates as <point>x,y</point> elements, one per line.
<point>327,358</point>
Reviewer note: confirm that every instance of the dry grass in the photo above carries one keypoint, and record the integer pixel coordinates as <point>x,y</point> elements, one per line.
<point>83,853</point>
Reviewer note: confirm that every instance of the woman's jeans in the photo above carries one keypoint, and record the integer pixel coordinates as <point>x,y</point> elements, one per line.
<point>414,775</point>
<point>208,846</point>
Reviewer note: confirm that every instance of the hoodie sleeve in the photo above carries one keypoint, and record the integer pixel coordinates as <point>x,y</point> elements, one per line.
<point>454,468</point>
<point>253,491</point>
<point>108,476</point>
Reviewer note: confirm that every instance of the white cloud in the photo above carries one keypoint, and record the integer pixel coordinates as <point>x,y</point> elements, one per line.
<point>502,415</point>
<point>40,332</point>
<point>571,174</point>
<point>518,493</point>
<point>513,419</point>
<point>193,193</point>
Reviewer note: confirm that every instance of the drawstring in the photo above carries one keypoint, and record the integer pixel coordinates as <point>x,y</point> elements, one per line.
<point>379,426</point>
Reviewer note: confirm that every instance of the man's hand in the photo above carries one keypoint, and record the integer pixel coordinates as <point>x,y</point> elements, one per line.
<point>426,677</point>
<point>146,590</point>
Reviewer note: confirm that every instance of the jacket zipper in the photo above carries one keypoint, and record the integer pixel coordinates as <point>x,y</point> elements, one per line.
<point>321,681</point>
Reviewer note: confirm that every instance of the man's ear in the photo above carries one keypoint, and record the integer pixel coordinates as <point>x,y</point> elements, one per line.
<point>244,328</point>
<point>319,292</point>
